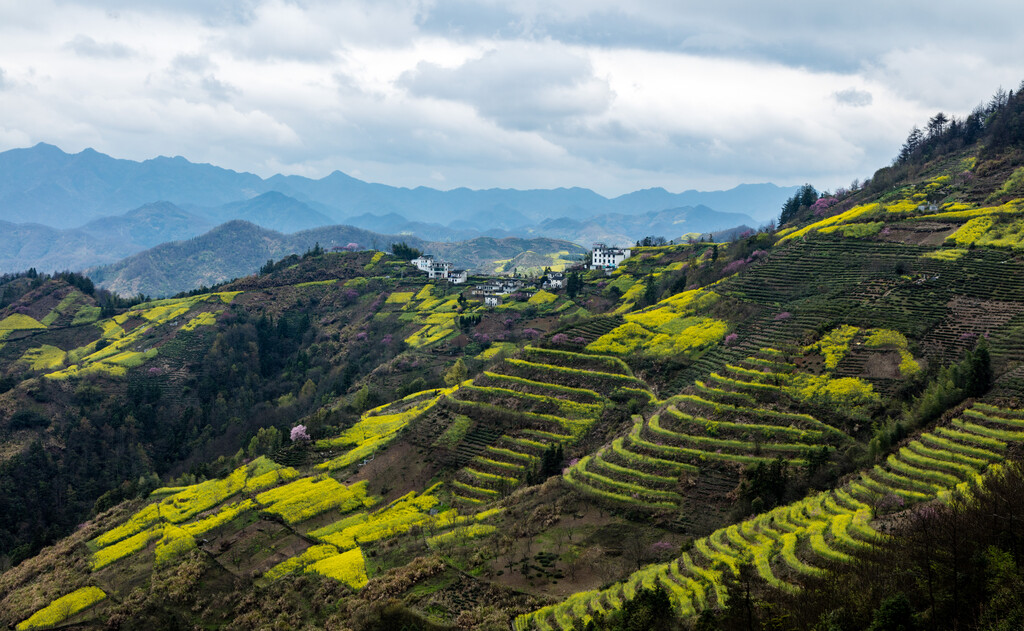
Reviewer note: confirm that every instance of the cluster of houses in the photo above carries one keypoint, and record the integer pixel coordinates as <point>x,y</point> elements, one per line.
<point>602,258</point>
<point>438,269</point>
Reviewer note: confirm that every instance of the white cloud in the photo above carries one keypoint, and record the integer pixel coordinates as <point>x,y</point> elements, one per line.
<point>484,93</point>
<point>953,77</point>
<point>521,86</point>
<point>853,97</point>
<point>88,47</point>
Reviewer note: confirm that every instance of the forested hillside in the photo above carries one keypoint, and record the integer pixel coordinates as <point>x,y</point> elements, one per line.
<point>818,427</point>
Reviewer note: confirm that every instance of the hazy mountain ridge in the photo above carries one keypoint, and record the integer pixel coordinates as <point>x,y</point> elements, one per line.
<point>77,202</point>
<point>67,190</point>
<point>98,242</point>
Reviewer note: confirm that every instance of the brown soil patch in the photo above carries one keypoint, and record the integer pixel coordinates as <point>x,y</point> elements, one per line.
<point>401,468</point>
<point>883,365</point>
<point>256,548</point>
<point>919,233</point>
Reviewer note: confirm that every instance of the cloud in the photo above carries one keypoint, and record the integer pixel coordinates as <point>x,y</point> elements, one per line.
<point>319,30</point>
<point>88,47</point>
<point>522,86</point>
<point>218,90</point>
<point>853,97</point>
<point>193,76</point>
<point>527,93</point>
<point>195,63</point>
<point>946,77</point>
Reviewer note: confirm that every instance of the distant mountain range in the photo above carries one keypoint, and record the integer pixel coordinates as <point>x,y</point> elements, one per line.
<point>238,248</point>
<point>45,185</point>
<point>87,210</point>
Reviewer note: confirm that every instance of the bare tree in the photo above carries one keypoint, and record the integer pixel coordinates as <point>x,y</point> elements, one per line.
<point>636,550</point>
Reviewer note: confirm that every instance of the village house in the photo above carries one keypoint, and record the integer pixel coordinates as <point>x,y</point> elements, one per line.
<point>440,269</point>
<point>554,280</point>
<point>606,258</point>
<point>423,263</point>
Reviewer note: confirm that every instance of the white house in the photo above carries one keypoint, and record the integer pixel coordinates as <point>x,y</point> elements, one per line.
<point>604,257</point>
<point>492,300</point>
<point>440,269</point>
<point>423,263</point>
<point>458,276</point>
<point>555,280</point>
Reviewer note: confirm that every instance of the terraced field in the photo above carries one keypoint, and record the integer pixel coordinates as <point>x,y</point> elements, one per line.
<point>586,332</point>
<point>130,339</point>
<point>544,397</point>
<point>725,422</point>
<point>174,523</point>
<point>948,305</point>
<point>377,428</point>
<point>806,537</point>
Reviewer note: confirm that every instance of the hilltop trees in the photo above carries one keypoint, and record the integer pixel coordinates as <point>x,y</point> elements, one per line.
<point>405,251</point>
<point>998,123</point>
<point>798,204</point>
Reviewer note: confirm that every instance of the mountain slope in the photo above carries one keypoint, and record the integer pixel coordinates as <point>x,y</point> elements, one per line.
<point>230,250</point>
<point>147,226</point>
<point>274,211</point>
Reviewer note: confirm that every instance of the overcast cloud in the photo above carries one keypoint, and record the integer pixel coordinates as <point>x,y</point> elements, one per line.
<point>529,94</point>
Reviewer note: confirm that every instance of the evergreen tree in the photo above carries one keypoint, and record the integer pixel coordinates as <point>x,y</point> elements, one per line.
<point>404,251</point>
<point>803,199</point>
<point>573,284</point>
<point>650,292</point>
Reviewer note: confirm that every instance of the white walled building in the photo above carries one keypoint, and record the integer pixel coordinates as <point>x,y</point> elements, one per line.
<point>423,263</point>
<point>440,269</point>
<point>604,257</point>
<point>555,280</point>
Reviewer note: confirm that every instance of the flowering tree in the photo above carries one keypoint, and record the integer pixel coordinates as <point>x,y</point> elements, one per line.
<point>820,207</point>
<point>734,267</point>
<point>299,434</point>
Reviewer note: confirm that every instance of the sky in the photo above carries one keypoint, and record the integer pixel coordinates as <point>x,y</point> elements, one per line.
<point>611,96</point>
